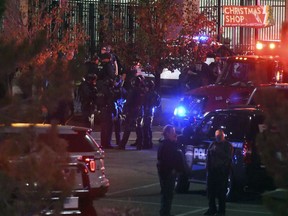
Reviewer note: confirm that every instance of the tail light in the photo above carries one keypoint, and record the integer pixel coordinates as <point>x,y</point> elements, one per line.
<point>247,152</point>
<point>89,161</point>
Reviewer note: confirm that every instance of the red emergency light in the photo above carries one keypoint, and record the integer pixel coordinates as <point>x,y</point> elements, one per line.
<point>268,47</point>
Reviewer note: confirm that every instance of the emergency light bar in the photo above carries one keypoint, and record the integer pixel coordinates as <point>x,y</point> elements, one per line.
<point>267,47</point>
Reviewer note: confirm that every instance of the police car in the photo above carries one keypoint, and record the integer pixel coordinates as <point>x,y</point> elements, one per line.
<point>85,158</point>
<point>241,126</point>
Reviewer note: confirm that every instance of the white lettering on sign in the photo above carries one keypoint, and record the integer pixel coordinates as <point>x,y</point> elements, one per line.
<point>200,153</point>
<point>234,19</point>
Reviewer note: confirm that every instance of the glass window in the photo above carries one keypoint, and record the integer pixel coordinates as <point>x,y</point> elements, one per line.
<point>235,125</point>
<point>79,142</point>
<point>248,72</point>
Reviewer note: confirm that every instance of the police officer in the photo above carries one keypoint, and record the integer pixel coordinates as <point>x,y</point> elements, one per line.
<point>105,100</point>
<point>151,101</point>
<point>133,110</point>
<point>219,159</point>
<point>87,96</point>
<point>170,161</point>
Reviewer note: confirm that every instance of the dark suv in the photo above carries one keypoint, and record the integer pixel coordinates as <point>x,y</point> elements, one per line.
<point>241,126</point>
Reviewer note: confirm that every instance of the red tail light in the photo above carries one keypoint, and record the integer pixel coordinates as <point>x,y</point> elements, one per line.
<point>247,153</point>
<point>89,161</point>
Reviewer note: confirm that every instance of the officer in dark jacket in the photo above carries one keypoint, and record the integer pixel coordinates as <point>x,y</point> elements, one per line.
<point>105,106</point>
<point>105,100</point>
<point>151,101</point>
<point>219,159</point>
<point>133,110</point>
<point>170,161</point>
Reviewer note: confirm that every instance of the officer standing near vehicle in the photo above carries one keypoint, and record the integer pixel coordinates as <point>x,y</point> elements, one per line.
<point>170,162</point>
<point>219,160</point>
<point>151,101</point>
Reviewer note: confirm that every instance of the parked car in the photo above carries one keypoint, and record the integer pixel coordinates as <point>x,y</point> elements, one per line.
<point>86,158</point>
<point>241,126</point>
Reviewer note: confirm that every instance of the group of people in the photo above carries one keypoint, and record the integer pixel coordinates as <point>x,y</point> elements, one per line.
<point>171,162</point>
<point>201,73</point>
<point>115,101</point>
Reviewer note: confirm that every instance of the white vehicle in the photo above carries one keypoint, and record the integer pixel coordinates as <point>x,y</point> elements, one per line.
<point>86,156</point>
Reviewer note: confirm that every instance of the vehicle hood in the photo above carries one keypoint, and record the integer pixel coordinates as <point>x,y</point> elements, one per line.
<point>221,97</point>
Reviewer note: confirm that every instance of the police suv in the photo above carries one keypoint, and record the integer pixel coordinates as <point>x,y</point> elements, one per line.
<point>241,126</point>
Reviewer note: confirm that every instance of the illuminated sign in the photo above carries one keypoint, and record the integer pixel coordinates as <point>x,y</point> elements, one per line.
<point>248,16</point>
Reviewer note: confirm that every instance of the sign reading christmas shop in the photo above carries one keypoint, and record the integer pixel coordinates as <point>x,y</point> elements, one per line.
<point>248,16</point>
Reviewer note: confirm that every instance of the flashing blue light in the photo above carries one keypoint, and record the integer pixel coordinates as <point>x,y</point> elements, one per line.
<point>180,111</point>
<point>203,38</point>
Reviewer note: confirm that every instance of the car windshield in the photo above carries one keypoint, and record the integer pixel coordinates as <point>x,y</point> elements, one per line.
<point>247,73</point>
<point>227,122</point>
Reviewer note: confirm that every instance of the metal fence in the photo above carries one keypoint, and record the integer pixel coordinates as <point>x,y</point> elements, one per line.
<point>242,39</point>
<point>91,13</point>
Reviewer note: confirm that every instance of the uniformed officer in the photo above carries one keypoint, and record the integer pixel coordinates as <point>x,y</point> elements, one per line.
<point>105,100</point>
<point>133,110</point>
<point>170,162</point>
<point>219,159</point>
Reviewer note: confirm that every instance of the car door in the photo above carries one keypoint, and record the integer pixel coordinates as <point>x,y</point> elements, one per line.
<point>196,150</point>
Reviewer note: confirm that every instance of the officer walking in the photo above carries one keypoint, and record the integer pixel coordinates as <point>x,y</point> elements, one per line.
<point>219,159</point>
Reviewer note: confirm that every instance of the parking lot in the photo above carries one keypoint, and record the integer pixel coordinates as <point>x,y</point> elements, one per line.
<point>135,189</point>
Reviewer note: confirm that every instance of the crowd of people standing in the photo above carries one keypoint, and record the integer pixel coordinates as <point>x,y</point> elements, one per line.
<point>118,100</point>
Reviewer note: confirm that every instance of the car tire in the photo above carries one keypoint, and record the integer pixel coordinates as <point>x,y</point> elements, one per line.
<point>182,184</point>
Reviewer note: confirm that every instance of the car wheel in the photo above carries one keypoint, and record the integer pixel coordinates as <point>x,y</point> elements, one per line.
<point>182,184</point>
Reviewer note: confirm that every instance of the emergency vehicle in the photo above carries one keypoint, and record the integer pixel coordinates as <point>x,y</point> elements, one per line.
<point>240,76</point>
